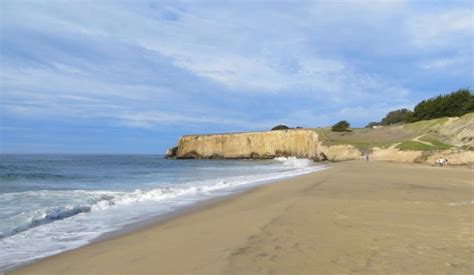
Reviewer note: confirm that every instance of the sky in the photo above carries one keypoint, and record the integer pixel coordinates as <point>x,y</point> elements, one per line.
<point>133,76</point>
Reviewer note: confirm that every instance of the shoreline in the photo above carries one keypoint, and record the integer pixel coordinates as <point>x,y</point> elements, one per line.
<point>188,209</point>
<point>293,191</point>
<point>182,211</point>
<point>161,218</point>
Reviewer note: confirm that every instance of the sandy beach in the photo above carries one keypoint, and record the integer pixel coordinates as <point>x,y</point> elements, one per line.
<point>355,217</point>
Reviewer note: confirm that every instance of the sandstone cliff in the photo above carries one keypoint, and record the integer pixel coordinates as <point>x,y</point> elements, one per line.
<point>419,142</point>
<point>301,143</point>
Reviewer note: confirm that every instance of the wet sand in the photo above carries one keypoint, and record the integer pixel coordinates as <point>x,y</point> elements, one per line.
<point>354,217</point>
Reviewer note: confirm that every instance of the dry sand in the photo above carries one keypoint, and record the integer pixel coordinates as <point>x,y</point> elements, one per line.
<point>354,217</point>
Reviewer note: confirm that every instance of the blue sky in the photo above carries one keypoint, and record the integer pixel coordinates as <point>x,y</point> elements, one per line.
<point>132,76</point>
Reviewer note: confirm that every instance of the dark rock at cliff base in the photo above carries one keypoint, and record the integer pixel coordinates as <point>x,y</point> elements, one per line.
<point>171,152</point>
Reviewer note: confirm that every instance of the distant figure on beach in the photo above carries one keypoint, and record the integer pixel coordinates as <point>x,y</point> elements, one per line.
<point>441,162</point>
<point>367,158</point>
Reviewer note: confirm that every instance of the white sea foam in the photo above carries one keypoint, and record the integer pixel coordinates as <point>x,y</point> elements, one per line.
<point>295,162</point>
<point>69,219</point>
<point>461,203</point>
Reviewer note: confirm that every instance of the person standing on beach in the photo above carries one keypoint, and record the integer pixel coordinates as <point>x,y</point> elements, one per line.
<point>367,158</point>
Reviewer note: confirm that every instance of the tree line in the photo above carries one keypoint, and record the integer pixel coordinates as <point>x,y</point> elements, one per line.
<point>457,103</point>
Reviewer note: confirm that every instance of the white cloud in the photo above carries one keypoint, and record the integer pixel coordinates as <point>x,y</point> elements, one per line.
<point>79,98</point>
<point>439,29</point>
<point>152,118</point>
<point>276,50</point>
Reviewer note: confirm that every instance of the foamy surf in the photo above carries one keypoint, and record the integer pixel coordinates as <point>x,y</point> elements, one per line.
<point>40,223</point>
<point>295,162</point>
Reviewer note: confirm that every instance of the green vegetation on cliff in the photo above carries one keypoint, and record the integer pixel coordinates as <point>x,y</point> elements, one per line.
<point>420,145</point>
<point>454,104</point>
<point>398,116</point>
<point>280,127</point>
<point>426,135</point>
<point>439,123</point>
<point>411,145</point>
<point>341,126</point>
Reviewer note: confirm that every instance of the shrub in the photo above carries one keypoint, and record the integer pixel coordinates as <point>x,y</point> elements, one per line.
<point>280,127</point>
<point>398,116</point>
<point>341,126</point>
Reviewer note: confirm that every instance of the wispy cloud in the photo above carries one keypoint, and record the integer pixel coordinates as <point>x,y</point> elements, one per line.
<point>441,27</point>
<point>226,66</point>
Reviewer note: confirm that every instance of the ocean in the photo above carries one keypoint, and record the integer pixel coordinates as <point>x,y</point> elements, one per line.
<point>53,203</point>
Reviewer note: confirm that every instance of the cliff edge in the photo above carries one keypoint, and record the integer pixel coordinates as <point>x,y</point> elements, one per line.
<point>424,141</point>
<point>300,143</point>
<point>419,142</point>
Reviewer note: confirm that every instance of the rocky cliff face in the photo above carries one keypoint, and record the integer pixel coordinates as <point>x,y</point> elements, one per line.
<point>301,143</point>
<point>423,138</point>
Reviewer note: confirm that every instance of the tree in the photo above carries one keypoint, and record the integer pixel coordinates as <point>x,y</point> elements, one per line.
<point>456,103</point>
<point>341,126</point>
<point>398,116</point>
<point>280,127</point>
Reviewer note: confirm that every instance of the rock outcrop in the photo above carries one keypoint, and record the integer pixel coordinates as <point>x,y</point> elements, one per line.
<point>395,155</point>
<point>454,157</point>
<point>300,143</point>
<point>171,152</point>
<point>338,152</point>
<point>425,142</point>
<point>455,131</point>
<point>459,131</point>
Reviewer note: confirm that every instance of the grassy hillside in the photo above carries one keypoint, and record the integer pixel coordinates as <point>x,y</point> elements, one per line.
<point>427,135</point>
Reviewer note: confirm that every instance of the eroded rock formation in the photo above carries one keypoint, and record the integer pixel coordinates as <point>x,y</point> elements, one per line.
<point>301,143</point>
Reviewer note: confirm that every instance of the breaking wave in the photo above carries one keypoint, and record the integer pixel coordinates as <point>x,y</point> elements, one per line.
<point>58,220</point>
<point>295,162</point>
<point>102,200</point>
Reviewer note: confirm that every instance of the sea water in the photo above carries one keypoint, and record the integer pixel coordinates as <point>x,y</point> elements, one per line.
<point>53,203</point>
